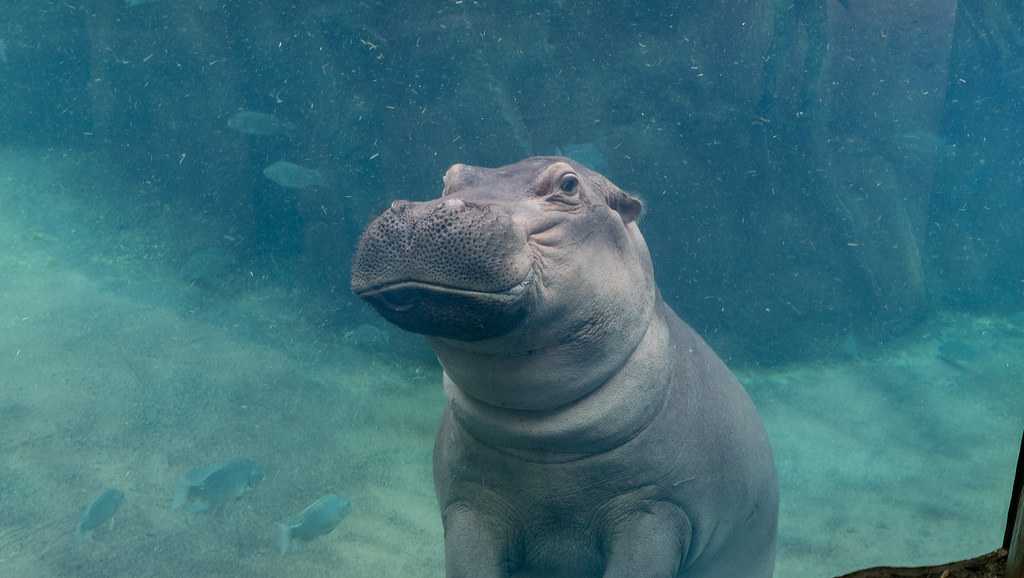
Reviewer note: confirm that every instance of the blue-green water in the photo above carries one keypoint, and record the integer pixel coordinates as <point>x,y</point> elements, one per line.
<point>833,196</point>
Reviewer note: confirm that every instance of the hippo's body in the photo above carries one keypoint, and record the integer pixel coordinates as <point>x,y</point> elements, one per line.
<point>589,431</point>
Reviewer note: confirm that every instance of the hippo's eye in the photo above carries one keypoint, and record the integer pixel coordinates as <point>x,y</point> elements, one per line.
<point>569,183</point>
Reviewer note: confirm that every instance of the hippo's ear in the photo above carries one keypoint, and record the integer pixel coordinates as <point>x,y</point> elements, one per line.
<point>627,206</point>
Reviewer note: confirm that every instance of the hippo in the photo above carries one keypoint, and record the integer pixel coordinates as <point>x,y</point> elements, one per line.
<point>588,430</point>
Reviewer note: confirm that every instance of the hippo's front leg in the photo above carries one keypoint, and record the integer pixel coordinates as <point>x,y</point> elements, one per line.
<point>651,541</point>
<point>474,545</point>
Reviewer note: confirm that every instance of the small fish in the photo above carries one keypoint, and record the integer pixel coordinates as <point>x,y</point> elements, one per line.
<point>100,511</point>
<point>924,143</point>
<point>959,354</point>
<point>292,176</point>
<point>259,123</point>
<point>318,519</point>
<point>212,487</point>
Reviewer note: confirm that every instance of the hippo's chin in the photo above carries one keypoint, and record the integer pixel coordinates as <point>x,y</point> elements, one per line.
<point>450,312</point>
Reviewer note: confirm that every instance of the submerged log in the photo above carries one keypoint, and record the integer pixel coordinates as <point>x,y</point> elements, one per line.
<point>1013,540</point>
<point>988,566</point>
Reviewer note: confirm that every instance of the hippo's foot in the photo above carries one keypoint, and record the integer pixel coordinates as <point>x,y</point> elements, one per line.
<point>473,547</point>
<point>648,541</point>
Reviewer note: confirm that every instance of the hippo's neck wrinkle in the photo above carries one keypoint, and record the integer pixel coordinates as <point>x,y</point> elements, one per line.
<point>606,418</point>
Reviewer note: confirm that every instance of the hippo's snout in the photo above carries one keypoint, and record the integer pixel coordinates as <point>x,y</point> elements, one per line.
<point>446,267</point>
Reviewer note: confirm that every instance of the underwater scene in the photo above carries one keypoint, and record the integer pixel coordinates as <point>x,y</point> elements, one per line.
<point>496,289</point>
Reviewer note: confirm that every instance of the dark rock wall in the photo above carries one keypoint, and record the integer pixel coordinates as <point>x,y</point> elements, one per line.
<point>977,209</point>
<point>812,169</point>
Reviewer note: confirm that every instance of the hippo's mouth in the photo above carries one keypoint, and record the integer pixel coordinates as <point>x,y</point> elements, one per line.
<point>404,295</point>
<point>451,312</point>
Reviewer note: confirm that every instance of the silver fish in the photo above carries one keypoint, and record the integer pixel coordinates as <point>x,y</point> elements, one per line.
<point>318,519</point>
<point>960,354</point>
<point>292,176</point>
<point>100,511</point>
<point>259,123</point>
<point>212,487</point>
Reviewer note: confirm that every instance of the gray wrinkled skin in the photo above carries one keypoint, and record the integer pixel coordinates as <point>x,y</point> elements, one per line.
<point>589,431</point>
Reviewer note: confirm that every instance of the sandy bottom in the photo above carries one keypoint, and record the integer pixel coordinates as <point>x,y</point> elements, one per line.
<point>122,366</point>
